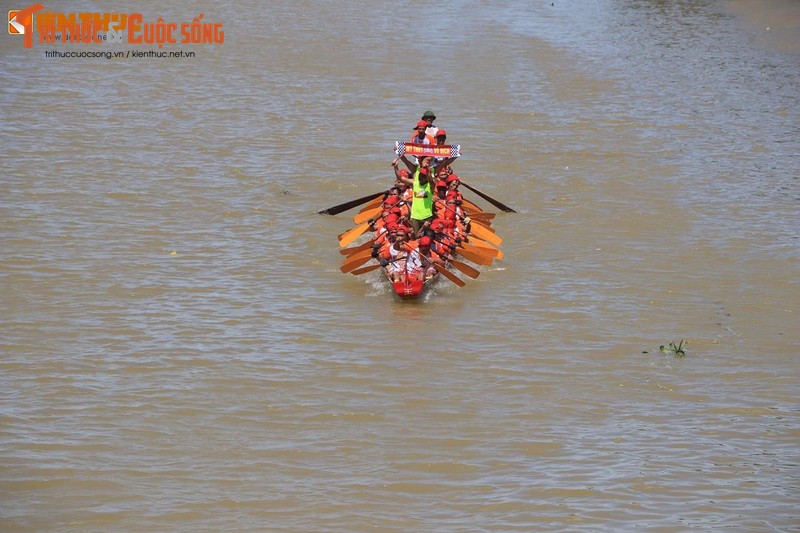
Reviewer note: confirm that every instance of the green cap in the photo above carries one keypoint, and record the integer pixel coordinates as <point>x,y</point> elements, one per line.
<point>429,113</point>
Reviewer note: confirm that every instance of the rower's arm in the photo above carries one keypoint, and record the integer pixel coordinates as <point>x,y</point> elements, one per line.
<point>400,177</point>
<point>411,166</point>
<point>446,162</point>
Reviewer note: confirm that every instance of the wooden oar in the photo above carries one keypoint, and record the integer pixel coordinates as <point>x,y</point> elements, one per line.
<point>484,249</point>
<point>364,270</point>
<point>476,254</point>
<point>475,217</point>
<point>335,210</point>
<point>475,257</point>
<point>501,206</point>
<point>466,204</point>
<point>352,234</point>
<point>442,270</point>
<point>485,246</point>
<point>449,275</point>
<point>355,249</point>
<point>485,223</point>
<point>482,216</point>
<point>362,217</point>
<point>370,268</point>
<point>372,204</point>
<point>354,260</point>
<point>481,229</point>
<point>466,269</point>
<point>358,255</point>
<point>355,263</point>
<point>483,233</point>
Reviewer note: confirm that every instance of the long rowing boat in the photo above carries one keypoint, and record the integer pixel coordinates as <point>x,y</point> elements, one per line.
<point>459,235</point>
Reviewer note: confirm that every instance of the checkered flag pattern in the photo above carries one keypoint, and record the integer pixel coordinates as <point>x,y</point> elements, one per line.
<point>400,149</point>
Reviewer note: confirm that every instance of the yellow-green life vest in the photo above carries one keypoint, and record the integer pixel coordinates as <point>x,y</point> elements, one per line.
<point>421,208</point>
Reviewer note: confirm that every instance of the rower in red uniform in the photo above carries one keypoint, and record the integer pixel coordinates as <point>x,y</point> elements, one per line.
<point>453,181</point>
<point>442,243</point>
<point>440,196</point>
<point>419,136</point>
<point>421,259</point>
<point>395,264</point>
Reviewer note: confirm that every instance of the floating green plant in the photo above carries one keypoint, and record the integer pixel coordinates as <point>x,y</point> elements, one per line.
<point>674,349</point>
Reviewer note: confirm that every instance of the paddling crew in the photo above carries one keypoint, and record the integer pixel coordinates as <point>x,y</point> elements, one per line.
<point>387,239</point>
<point>440,198</point>
<point>454,216</point>
<point>405,191</point>
<point>391,201</point>
<point>453,181</point>
<point>396,203</point>
<point>404,220</point>
<point>384,240</point>
<point>422,189</point>
<point>395,264</point>
<point>421,259</point>
<point>441,190</point>
<point>401,178</point>
<point>443,243</point>
<point>453,205</point>
<point>386,218</point>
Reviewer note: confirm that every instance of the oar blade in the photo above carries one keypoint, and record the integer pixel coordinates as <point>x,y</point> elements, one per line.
<point>484,224</point>
<point>335,210</point>
<point>466,269</point>
<point>486,250</point>
<point>355,263</point>
<point>449,275</point>
<point>356,249</point>
<point>355,258</point>
<point>362,217</point>
<point>483,245</point>
<point>483,233</point>
<point>486,217</point>
<point>372,204</point>
<point>475,257</point>
<point>501,206</point>
<point>469,207</point>
<point>364,270</point>
<point>352,234</point>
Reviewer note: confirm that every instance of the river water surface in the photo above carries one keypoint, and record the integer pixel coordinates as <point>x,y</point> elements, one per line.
<point>179,351</point>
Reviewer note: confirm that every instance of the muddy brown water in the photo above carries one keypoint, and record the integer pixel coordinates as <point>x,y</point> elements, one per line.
<point>181,353</point>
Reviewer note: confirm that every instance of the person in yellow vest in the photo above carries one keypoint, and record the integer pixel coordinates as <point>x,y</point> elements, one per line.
<point>421,184</point>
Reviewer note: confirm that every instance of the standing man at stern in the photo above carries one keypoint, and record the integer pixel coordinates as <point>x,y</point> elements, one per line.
<point>428,117</point>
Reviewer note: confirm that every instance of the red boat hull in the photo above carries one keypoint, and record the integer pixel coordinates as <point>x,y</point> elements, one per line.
<point>410,286</point>
<point>409,289</point>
